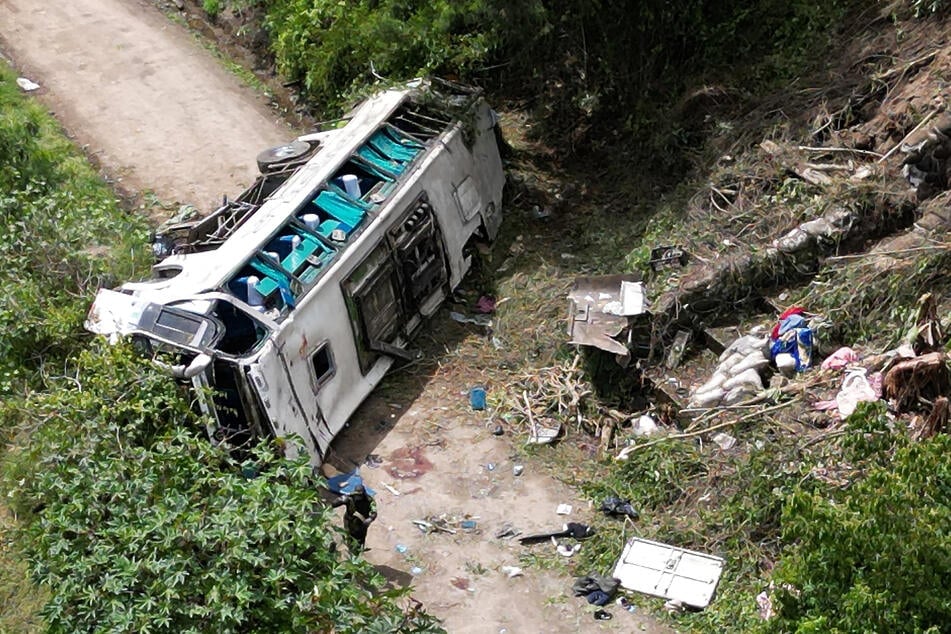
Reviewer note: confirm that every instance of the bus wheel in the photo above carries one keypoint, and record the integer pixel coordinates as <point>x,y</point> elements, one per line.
<point>282,155</point>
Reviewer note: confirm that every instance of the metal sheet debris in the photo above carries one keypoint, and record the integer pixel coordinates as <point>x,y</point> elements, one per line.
<point>602,309</point>
<point>669,572</point>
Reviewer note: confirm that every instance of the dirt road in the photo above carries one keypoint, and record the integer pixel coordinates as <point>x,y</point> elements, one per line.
<point>161,114</point>
<point>158,112</point>
<point>436,457</point>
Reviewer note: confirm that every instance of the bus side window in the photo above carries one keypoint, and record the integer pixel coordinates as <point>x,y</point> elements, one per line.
<point>323,364</point>
<point>242,332</point>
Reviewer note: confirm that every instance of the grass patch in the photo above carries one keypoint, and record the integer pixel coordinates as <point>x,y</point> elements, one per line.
<point>62,235</point>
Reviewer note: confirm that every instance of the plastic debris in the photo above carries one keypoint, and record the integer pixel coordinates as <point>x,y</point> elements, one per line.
<point>677,349</point>
<point>563,509</point>
<point>26,85</point>
<point>512,571</point>
<point>724,441</point>
<point>498,431</point>
<point>477,397</point>
<point>401,549</point>
<point>416,571</point>
<point>665,256</point>
<point>468,524</point>
<point>765,605</point>
<point>626,605</point>
<point>517,470</point>
<point>603,615</point>
<point>737,377</point>
<point>855,389</point>
<point>485,305</point>
<point>506,531</point>
<point>566,550</point>
<point>479,320</point>
<point>490,466</point>
<point>645,426</point>
<point>346,483</point>
<point>540,213</point>
<point>613,506</point>
<point>543,435</point>
<point>675,607</point>
<point>373,461</point>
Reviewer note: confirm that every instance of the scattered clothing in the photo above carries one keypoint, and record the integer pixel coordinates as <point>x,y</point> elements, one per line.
<point>599,597</point>
<point>485,305</point>
<point>840,359</point>
<point>583,586</point>
<point>616,507</point>
<point>792,335</point>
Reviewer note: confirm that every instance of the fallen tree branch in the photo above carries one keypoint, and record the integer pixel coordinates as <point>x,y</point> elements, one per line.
<point>905,138</point>
<point>807,148</point>
<point>858,256</point>
<point>691,434</point>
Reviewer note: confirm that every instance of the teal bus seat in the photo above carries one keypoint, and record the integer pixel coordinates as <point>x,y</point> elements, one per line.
<point>392,149</point>
<point>308,259</point>
<point>327,227</point>
<point>275,279</point>
<point>309,251</point>
<point>339,208</point>
<point>359,202</point>
<point>372,170</point>
<point>374,158</point>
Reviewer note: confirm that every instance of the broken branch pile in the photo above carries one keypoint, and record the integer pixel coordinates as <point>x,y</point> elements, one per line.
<point>550,397</point>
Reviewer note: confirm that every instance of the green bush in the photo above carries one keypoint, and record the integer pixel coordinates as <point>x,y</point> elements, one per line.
<point>875,557</point>
<point>585,58</point>
<point>138,524</point>
<point>335,48</point>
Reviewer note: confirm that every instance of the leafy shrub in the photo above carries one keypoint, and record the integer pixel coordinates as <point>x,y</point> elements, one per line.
<point>585,58</point>
<point>336,47</point>
<point>138,523</point>
<point>211,7</point>
<point>875,557</point>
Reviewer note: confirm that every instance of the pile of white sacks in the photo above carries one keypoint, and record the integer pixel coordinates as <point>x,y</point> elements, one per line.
<point>737,377</point>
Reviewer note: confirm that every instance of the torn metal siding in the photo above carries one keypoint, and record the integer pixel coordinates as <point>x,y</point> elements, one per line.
<point>601,311</point>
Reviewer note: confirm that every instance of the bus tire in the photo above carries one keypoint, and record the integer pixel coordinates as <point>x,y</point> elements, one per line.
<point>282,155</point>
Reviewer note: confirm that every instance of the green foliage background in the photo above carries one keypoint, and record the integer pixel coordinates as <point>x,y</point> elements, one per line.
<point>586,58</point>
<point>138,524</point>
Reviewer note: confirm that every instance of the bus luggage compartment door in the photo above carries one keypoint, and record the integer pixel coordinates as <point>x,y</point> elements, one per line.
<point>419,251</point>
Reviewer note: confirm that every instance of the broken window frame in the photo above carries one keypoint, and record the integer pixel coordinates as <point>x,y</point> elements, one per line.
<point>321,379</point>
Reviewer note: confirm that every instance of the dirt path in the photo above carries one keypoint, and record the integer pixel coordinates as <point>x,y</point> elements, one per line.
<point>162,115</point>
<point>438,457</point>
<point>158,112</point>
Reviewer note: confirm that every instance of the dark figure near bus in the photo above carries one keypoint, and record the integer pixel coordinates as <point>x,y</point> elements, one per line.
<point>358,514</point>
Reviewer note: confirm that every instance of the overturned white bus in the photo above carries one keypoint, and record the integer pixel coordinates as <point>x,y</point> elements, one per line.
<point>291,302</point>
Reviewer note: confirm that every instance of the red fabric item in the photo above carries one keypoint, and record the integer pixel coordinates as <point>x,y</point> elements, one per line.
<point>792,310</point>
